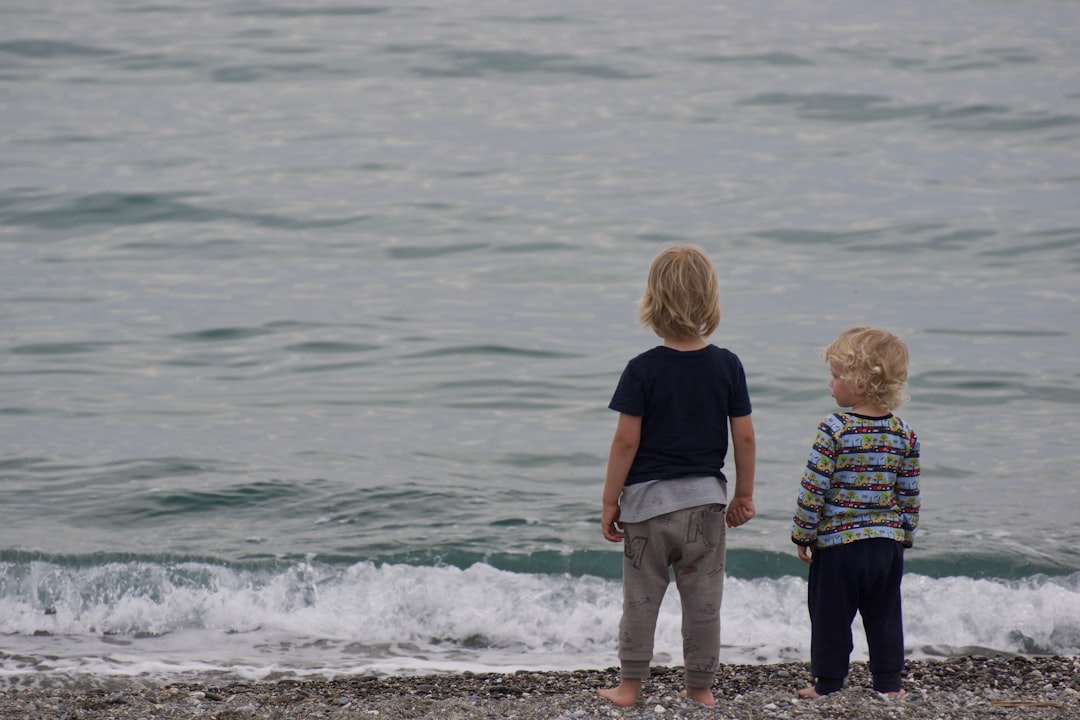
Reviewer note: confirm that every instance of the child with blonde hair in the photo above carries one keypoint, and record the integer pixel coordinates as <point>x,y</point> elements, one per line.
<point>666,495</point>
<point>858,510</point>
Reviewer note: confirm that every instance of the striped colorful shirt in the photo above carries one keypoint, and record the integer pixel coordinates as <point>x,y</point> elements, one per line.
<point>861,482</point>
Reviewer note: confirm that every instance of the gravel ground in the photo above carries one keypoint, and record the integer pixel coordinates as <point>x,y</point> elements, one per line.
<point>1010,688</point>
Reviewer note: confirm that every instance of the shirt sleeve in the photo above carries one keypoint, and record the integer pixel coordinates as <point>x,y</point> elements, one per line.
<point>907,490</point>
<point>629,397</point>
<point>740,397</point>
<point>816,480</point>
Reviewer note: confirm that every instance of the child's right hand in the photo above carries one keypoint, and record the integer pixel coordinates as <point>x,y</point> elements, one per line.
<point>740,510</point>
<point>609,523</point>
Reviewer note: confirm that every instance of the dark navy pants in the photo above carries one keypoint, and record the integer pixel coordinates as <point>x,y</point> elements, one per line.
<point>862,576</point>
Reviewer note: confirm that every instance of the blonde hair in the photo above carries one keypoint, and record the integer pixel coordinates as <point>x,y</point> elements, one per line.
<point>872,360</point>
<point>682,294</point>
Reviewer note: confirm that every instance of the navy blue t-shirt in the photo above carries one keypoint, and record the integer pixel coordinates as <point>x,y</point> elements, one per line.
<point>684,400</point>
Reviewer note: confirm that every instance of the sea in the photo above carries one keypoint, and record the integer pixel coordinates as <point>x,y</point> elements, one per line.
<point>310,312</point>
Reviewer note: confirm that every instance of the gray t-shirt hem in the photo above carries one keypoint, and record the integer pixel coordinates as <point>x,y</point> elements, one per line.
<point>643,501</point>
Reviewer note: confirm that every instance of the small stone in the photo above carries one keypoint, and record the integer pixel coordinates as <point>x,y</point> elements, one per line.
<point>659,710</point>
<point>116,698</point>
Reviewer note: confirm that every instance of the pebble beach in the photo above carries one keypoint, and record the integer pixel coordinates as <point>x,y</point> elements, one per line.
<point>964,687</point>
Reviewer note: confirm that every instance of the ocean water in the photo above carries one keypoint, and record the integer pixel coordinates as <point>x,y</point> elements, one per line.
<point>310,313</point>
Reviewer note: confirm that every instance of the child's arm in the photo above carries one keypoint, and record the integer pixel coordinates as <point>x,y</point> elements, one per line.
<point>744,443</point>
<point>816,480</point>
<point>907,490</point>
<point>624,447</point>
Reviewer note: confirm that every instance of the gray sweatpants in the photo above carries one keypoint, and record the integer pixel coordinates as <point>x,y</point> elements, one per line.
<point>692,543</point>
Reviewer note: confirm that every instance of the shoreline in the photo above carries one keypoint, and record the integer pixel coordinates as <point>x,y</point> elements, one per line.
<point>1028,687</point>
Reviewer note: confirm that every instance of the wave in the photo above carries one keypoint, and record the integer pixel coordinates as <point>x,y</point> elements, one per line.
<point>63,620</point>
<point>743,563</point>
<point>1004,565</point>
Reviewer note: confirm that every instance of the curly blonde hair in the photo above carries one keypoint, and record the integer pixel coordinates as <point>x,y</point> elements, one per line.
<point>872,360</point>
<point>682,294</point>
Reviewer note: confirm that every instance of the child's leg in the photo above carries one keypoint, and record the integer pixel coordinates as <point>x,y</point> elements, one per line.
<point>646,558</point>
<point>699,575</point>
<point>833,599</point>
<point>645,580</point>
<point>882,613</point>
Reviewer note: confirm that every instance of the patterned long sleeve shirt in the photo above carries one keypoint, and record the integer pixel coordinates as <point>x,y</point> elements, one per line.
<point>861,481</point>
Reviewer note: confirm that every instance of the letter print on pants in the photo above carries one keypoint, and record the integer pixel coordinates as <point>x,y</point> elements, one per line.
<point>699,526</point>
<point>635,550</point>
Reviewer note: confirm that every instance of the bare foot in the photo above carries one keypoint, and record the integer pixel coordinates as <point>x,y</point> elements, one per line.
<point>809,693</point>
<point>898,693</point>
<point>701,695</point>
<point>625,695</point>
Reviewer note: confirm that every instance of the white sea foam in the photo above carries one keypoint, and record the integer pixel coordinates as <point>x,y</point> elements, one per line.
<point>307,620</point>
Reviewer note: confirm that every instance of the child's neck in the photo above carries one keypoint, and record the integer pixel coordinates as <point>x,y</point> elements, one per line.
<point>685,344</point>
<point>864,408</point>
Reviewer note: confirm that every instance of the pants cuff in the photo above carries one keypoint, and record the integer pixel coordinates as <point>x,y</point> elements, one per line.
<point>827,686</point>
<point>700,680</point>
<point>635,669</point>
<point>887,683</point>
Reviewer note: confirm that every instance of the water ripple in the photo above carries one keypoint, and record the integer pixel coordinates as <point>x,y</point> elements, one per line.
<point>868,108</point>
<point>497,350</point>
<point>52,49</point>
<point>114,209</point>
<point>771,59</point>
<point>61,348</point>
<point>232,498</point>
<point>482,63</point>
<point>330,11</point>
<point>222,334</point>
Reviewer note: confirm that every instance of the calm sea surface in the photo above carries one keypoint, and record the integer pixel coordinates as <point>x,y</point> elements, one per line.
<point>310,313</point>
